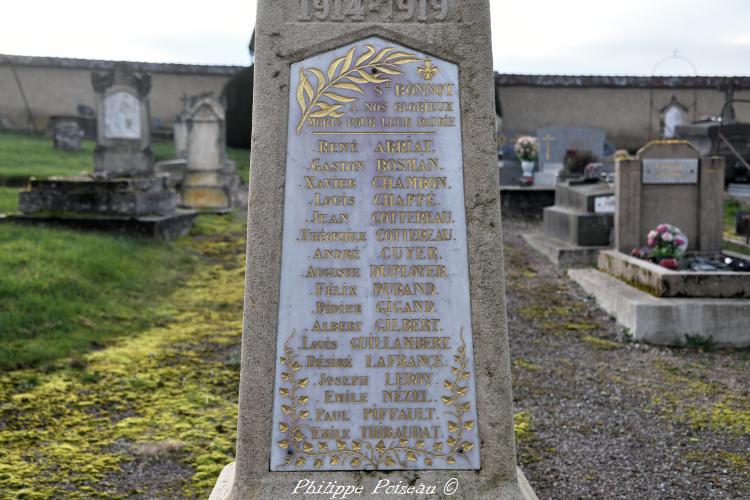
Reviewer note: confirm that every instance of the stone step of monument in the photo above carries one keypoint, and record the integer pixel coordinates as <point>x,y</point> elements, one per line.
<point>583,197</point>
<point>130,197</point>
<point>577,226</point>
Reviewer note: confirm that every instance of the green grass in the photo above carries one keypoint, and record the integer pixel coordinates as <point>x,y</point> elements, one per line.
<point>64,292</point>
<point>731,207</point>
<point>23,156</point>
<point>8,199</point>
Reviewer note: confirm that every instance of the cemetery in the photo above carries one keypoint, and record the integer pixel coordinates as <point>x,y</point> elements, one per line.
<point>330,275</point>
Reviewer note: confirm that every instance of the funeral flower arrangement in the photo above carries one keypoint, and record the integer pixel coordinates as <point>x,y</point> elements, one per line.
<point>665,245</point>
<point>526,148</point>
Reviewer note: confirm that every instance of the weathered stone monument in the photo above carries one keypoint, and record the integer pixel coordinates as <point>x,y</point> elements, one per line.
<point>211,181</point>
<point>204,176</point>
<point>375,286</point>
<point>578,225</point>
<point>124,193</point>
<point>67,136</point>
<point>670,183</point>
<point>123,145</point>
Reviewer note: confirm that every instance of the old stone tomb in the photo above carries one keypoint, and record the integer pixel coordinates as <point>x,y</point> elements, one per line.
<point>123,193</point>
<point>374,292</point>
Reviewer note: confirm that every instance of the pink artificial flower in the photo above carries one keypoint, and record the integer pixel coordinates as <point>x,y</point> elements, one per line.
<point>679,241</point>
<point>662,228</point>
<point>667,237</point>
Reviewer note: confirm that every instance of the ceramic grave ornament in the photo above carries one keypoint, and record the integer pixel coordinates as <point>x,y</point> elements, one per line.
<point>123,146</point>
<point>375,334</point>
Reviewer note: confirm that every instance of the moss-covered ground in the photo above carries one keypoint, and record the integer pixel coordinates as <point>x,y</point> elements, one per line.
<point>148,414</point>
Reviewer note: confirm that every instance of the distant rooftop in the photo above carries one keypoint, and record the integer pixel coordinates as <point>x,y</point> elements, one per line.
<point>103,65</point>
<point>515,80</point>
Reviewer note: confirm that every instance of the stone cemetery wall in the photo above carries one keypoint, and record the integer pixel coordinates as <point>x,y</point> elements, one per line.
<point>56,86</point>
<point>617,105</point>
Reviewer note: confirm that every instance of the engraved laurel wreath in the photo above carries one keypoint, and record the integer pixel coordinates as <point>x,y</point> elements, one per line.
<point>346,73</point>
<point>363,453</point>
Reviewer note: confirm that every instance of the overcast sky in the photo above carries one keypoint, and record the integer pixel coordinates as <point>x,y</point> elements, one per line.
<point>627,37</point>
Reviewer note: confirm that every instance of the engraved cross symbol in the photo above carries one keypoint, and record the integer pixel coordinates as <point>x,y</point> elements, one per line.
<point>548,139</point>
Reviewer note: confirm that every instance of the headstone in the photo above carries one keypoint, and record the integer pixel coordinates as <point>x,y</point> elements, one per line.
<point>210,181</point>
<point>672,115</point>
<point>123,137</point>
<point>555,142</point>
<point>179,129</point>
<point>669,183</point>
<point>67,136</point>
<point>375,289</point>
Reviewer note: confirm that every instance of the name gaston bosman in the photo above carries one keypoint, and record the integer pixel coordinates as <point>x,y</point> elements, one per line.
<point>336,491</point>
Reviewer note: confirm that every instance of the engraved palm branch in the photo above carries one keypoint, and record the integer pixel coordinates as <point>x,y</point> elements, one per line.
<point>345,73</point>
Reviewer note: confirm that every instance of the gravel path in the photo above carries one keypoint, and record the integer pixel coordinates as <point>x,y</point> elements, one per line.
<point>602,417</point>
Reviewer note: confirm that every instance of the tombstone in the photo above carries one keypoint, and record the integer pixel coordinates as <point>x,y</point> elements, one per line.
<point>673,115</point>
<point>669,183</point>
<point>703,295</point>
<point>123,135</point>
<point>123,194</point>
<point>179,130</point>
<point>554,144</point>
<point>374,287</point>
<point>67,136</point>
<point>578,225</point>
<point>211,181</point>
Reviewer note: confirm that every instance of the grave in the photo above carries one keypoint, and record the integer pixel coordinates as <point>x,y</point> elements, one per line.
<point>67,136</point>
<point>555,142</point>
<point>123,194</point>
<point>578,226</point>
<point>206,179</point>
<point>670,183</point>
<point>375,289</point>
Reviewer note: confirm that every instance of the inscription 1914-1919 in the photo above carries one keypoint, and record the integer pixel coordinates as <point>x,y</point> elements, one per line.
<point>374,10</point>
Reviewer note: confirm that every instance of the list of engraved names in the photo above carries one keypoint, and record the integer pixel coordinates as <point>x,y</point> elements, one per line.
<point>374,365</point>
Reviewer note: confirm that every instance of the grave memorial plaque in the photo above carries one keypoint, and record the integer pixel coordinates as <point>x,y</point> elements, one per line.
<point>670,171</point>
<point>375,341</point>
<point>375,332</point>
<point>122,116</point>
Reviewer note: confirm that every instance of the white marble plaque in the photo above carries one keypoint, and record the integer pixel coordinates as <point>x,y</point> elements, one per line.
<point>122,116</point>
<point>374,362</point>
<point>604,204</point>
<point>670,171</point>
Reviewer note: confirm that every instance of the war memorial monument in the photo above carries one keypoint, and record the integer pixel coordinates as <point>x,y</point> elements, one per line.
<point>375,352</point>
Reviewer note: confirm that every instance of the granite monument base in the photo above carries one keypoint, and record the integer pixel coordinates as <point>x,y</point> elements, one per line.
<point>138,205</point>
<point>162,227</point>
<point>563,253</point>
<point>123,161</point>
<point>668,321</point>
<point>86,194</point>
<point>469,485</point>
<point>663,282</point>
